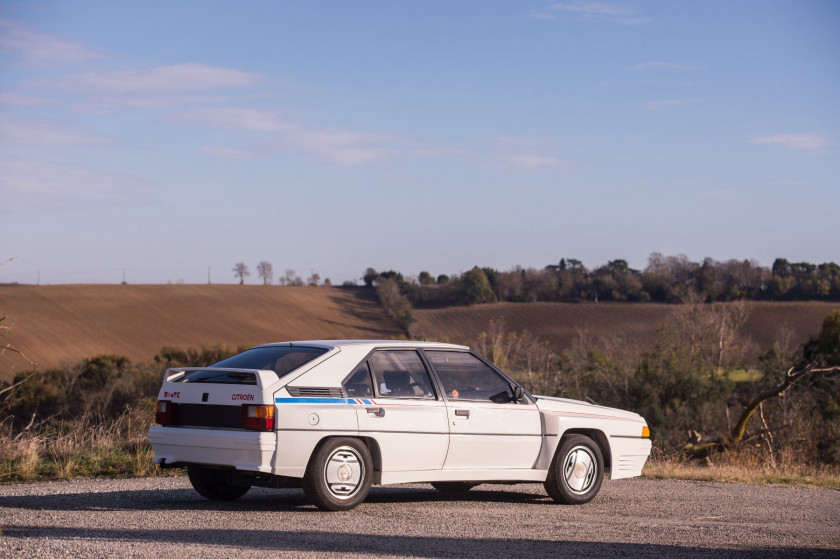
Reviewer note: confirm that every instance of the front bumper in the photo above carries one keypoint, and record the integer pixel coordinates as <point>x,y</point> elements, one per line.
<point>244,450</point>
<point>629,456</point>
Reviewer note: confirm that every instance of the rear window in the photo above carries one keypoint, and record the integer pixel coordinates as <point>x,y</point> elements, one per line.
<point>280,359</point>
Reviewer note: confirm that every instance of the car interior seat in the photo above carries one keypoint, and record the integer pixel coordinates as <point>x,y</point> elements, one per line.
<point>398,383</point>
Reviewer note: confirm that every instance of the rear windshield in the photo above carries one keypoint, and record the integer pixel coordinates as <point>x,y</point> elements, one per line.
<point>280,359</point>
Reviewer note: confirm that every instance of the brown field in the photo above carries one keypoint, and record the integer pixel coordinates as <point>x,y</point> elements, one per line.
<point>67,323</point>
<point>559,323</point>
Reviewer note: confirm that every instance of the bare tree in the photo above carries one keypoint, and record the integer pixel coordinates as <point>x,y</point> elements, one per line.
<point>291,278</point>
<point>241,271</point>
<point>314,279</point>
<point>265,272</point>
<point>5,330</point>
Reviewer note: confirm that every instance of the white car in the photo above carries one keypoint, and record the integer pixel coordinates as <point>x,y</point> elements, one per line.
<point>337,416</point>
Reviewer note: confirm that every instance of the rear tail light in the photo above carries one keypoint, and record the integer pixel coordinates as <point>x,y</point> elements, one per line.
<point>258,418</point>
<point>166,413</point>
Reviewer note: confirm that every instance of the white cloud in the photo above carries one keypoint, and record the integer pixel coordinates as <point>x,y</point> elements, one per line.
<point>230,153</point>
<point>174,79</point>
<point>533,161</point>
<point>650,65</point>
<point>39,49</point>
<point>543,15</point>
<point>716,194</point>
<point>25,100</point>
<point>339,145</point>
<point>234,118</point>
<point>662,104</point>
<point>39,131</point>
<point>38,185</point>
<point>524,153</point>
<point>336,145</point>
<point>591,11</point>
<point>795,141</point>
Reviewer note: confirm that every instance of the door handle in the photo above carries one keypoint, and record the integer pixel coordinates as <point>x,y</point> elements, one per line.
<point>462,413</point>
<point>378,412</point>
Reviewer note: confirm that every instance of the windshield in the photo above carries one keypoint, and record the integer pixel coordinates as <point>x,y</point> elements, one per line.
<point>280,359</point>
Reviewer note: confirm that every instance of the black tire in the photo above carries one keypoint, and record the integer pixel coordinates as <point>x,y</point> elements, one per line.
<point>577,471</point>
<point>339,474</point>
<point>453,486</point>
<point>212,484</point>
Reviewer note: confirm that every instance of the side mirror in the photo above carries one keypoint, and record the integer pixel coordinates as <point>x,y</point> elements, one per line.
<point>518,393</point>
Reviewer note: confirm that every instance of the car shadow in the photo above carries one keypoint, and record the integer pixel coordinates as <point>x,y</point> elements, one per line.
<point>415,546</point>
<point>257,500</point>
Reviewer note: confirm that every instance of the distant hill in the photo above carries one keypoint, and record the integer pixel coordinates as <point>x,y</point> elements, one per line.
<point>559,323</point>
<point>66,323</point>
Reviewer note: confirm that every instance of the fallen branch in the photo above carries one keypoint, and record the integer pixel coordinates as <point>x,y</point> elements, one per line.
<point>791,377</point>
<point>695,449</point>
<point>15,385</point>
<point>25,429</point>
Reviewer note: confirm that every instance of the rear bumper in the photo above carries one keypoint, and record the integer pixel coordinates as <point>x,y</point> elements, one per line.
<point>629,455</point>
<point>244,450</point>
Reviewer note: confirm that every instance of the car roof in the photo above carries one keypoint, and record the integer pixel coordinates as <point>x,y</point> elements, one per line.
<point>370,343</point>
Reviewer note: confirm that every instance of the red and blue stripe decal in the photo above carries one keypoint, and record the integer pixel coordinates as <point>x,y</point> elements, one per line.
<point>352,401</point>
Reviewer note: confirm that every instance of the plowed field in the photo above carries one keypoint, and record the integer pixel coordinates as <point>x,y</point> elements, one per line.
<point>66,323</point>
<point>559,322</point>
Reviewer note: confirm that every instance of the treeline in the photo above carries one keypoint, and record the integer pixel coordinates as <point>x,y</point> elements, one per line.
<point>665,279</point>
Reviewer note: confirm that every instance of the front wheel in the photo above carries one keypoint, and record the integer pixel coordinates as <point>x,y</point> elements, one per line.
<point>576,472</point>
<point>339,474</point>
<point>212,484</point>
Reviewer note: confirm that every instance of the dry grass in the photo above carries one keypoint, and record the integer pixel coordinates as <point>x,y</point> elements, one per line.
<point>739,467</point>
<point>68,323</point>
<point>87,447</point>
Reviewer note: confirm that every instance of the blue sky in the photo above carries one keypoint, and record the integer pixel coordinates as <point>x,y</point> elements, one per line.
<point>166,137</point>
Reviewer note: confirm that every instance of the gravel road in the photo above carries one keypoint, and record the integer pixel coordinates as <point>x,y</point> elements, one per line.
<point>163,517</point>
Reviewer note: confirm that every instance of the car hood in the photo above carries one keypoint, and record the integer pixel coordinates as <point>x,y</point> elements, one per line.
<point>564,405</point>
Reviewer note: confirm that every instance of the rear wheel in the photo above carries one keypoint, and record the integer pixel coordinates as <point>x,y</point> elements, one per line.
<point>453,486</point>
<point>576,472</point>
<point>213,484</point>
<point>339,474</point>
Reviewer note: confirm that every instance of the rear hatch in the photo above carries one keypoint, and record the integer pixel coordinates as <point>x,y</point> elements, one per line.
<point>237,393</point>
<point>221,398</point>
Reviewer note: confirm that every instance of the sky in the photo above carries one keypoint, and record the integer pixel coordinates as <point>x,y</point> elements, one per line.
<point>165,140</point>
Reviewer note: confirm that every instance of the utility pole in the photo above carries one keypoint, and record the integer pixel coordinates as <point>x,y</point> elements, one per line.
<point>39,278</point>
<point>208,275</point>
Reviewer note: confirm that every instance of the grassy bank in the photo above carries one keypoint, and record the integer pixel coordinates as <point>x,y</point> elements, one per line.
<point>743,468</point>
<point>88,447</point>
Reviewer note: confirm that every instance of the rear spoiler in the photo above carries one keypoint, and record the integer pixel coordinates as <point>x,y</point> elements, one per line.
<point>264,378</point>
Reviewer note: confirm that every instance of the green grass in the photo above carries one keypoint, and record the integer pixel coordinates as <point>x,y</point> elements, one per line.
<point>743,375</point>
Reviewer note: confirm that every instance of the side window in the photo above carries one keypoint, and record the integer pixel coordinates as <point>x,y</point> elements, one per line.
<point>359,384</point>
<point>465,377</point>
<point>401,374</point>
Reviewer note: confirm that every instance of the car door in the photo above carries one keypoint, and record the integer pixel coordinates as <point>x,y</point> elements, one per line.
<point>405,414</point>
<point>488,429</point>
